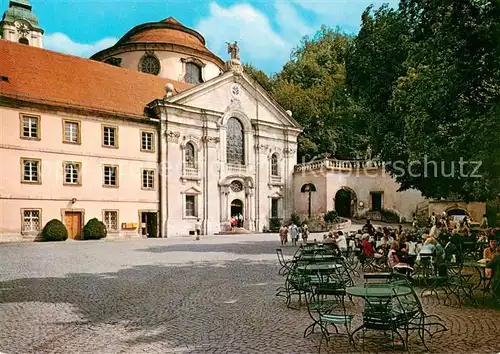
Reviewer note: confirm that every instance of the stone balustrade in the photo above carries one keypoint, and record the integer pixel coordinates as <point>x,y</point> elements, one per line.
<point>276,179</point>
<point>190,172</point>
<point>236,168</point>
<point>338,165</point>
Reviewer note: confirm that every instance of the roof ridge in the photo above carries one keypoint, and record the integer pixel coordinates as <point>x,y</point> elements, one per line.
<point>171,19</point>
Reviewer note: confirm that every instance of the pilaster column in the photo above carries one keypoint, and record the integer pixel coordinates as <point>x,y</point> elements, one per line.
<point>163,173</point>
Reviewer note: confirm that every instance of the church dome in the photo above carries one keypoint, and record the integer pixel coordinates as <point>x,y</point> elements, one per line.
<point>166,48</point>
<point>167,31</point>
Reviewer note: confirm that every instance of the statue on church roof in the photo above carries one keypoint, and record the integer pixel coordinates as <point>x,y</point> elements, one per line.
<point>234,50</point>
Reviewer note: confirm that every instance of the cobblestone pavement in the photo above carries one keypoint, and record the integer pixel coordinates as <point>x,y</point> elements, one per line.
<point>216,295</point>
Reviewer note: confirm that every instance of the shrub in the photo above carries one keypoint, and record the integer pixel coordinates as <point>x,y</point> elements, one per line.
<point>54,230</point>
<point>317,225</point>
<point>389,216</point>
<point>331,217</point>
<point>274,224</point>
<point>294,218</point>
<point>94,230</point>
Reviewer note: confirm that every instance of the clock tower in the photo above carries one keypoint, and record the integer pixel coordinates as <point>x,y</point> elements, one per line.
<point>19,24</point>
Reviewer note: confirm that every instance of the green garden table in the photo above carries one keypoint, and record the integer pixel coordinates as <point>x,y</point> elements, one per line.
<point>480,269</point>
<point>318,267</point>
<point>379,291</point>
<point>315,257</point>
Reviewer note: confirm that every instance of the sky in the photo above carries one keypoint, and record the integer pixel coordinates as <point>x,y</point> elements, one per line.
<point>266,30</point>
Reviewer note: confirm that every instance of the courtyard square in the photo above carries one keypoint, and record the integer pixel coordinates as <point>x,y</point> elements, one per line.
<point>216,295</point>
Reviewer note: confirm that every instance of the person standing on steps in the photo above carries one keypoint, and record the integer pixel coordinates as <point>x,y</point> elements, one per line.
<point>294,234</point>
<point>240,220</point>
<point>197,228</point>
<point>305,233</point>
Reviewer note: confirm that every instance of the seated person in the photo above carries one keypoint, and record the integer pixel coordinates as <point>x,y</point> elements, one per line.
<point>429,247</point>
<point>411,246</point>
<point>394,261</point>
<point>450,250</point>
<point>489,254</point>
<point>368,228</point>
<point>330,242</point>
<point>440,253</point>
<point>341,241</point>
<point>368,250</point>
<point>403,252</point>
<point>435,230</point>
<point>491,251</point>
<point>493,265</point>
<point>393,254</point>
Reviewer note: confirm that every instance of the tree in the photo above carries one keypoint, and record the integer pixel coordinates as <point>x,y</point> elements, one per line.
<point>427,76</point>
<point>258,75</point>
<point>312,85</point>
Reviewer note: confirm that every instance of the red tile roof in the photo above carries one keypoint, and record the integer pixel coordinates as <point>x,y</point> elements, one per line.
<point>48,77</point>
<point>167,35</point>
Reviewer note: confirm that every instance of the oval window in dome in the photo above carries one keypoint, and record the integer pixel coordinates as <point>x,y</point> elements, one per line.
<point>150,65</point>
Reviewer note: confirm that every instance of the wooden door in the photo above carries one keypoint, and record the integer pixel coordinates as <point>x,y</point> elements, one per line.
<point>73,222</point>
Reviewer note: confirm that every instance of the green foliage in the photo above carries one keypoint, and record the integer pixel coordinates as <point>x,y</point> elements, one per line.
<point>331,217</point>
<point>259,76</point>
<point>417,84</point>
<point>313,86</point>
<point>493,214</point>
<point>94,230</point>
<point>274,224</point>
<point>294,218</point>
<point>427,75</point>
<point>54,230</point>
<point>317,225</point>
<point>389,216</point>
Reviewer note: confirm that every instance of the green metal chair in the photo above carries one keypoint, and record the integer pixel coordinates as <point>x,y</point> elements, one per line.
<point>378,315</point>
<point>326,307</point>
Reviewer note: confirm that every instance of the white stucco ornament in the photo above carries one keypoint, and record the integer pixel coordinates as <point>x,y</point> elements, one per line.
<point>169,88</point>
<point>234,90</point>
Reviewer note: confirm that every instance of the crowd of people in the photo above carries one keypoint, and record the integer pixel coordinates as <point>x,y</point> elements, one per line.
<point>401,248</point>
<point>296,233</point>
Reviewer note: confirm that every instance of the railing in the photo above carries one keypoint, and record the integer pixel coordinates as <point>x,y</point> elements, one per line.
<point>190,172</point>
<point>338,165</point>
<point>236,168</point>
<point>276,179</point>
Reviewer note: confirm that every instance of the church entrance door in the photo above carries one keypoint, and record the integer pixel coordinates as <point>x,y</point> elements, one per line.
<point>237,211</point>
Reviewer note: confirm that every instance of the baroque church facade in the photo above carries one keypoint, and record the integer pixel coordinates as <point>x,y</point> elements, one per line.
<point>151,136</point>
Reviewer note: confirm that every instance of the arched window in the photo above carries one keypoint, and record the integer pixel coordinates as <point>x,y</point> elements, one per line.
<point>24,41</point>
<point>193,74</point>
<point>235,149</point>
<point>190,156</point>
<point>274,165</point>
<point>150,65</point>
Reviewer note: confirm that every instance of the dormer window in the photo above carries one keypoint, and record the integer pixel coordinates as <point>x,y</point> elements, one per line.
<point>193,74</point>
<point>150,64</point>
<point>114,61</point>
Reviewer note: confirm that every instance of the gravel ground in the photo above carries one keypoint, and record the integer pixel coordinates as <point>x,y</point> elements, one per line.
<point>216,295</point>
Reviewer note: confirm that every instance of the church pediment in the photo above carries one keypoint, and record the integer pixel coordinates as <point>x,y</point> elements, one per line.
<point>230,91</point>
<point>191,191</point>
<point>276,195</point>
